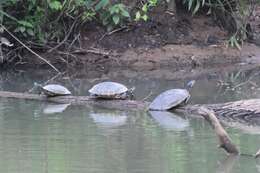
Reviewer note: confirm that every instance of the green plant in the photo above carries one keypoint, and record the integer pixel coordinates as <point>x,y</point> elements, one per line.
<point>142,14</point>
<point>56,20</point>
<point>112,15</point>
<point>195,5</point>
<point>27,17</point>
<point>115,16</point>
<point>234,16</point>
<point>235,41</point>
<point>41,21</point>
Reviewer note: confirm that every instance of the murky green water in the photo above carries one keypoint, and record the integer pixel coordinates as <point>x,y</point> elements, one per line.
<point>35,137</point>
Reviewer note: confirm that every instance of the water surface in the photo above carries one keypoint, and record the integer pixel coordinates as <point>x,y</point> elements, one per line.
<point>43,137</point>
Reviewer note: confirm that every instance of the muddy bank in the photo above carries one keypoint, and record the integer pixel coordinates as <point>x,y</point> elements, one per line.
<point>166,40</point>
<point>180,56</point>
<point>168,56</point>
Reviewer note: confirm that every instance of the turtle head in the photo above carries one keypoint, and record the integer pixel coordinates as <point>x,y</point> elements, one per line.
<point>190,84</point>
<point>131,93</point>
<point>37,84</point>
<point>131,90</point>
<point>37,87</point>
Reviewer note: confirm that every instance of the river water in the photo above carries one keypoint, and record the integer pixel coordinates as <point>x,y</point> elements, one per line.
<point>45,137</point>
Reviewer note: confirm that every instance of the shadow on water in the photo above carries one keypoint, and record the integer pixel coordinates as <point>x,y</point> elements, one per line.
<point>227,164</point>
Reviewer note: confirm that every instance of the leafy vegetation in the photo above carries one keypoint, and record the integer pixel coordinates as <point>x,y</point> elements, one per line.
<point>54,20</point>
<point>112,15</point>
<point>237,11</point>
<point>143,13</point>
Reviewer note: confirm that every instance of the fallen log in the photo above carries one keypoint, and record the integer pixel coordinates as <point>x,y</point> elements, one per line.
<point>80,100</point>
<point>245,111</point>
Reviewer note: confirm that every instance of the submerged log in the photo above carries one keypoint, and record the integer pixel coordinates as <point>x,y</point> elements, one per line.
<point>224,140</point>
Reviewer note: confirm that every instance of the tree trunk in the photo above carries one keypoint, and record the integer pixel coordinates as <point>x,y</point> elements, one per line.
<point>171,6</point>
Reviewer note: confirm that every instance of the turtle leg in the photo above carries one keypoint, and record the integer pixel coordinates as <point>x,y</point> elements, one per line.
<point>131,96</point>
<point>93,96</point>
<point>126,95</point>
<point>121,96</point>
<point>187,100</point>
<point>130,93</point>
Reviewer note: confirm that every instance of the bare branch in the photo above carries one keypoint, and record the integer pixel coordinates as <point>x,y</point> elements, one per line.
<point>30,50</point>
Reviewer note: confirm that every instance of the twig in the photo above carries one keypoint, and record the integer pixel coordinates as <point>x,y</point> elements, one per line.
<point>1,55</point>
<point>67,53</point>
<point>66,37</point>
<point>30,50</point>
<point>148,96</point>
<point>73,41</point>
<point>94,51</point>
<point>112,32</point>
<point>239,85</point>
<point>253,83</point>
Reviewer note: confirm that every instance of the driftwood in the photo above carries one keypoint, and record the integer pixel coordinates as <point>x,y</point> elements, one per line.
<point>224,140</point>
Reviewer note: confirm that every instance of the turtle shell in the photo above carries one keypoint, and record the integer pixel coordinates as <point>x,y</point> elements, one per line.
<point>169,99</point>
<point>108,90</point>
<point>55,90</point>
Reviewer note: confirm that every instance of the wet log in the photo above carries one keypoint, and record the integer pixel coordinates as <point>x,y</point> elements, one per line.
<point>243,109</point>
<point>245,112</point>
<point>80,100</point>
<point>257,154</point>
<point>224,140</point>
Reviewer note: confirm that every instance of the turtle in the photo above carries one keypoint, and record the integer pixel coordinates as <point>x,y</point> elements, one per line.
<point>110,90</point>
<point>52,90</point>
<point>171,98</point>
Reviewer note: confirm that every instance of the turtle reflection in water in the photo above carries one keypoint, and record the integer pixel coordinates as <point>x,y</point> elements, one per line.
<point>111,90</point>
<point>109,119</point>
<point>170,121</point>
<point>55,108</point>
<point>171,98</point>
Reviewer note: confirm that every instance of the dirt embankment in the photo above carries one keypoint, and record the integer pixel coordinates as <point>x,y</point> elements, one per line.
<point>168,41</point>
<point>164,41</point>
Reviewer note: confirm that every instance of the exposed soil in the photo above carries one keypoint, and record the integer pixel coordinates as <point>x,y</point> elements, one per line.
<point>167,40</point>
<point>164,41</point>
